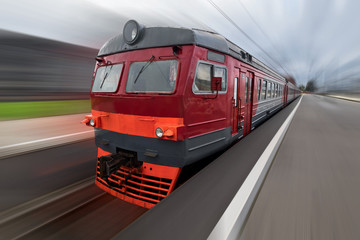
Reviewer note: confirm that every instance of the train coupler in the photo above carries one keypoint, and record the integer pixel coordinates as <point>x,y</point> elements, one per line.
<point>109,164</point>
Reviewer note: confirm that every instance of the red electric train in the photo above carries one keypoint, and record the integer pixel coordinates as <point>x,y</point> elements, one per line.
<point>163,98</point>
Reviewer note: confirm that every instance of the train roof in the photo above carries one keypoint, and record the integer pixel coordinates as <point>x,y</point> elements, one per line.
<point>168,36</point>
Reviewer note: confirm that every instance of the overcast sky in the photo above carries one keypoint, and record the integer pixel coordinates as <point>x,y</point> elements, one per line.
<point>305,38</point>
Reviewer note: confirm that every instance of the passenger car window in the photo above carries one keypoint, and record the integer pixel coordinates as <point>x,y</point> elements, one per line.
<point>263,90</point>
<point>202,81</point>
<point>273,90</point>
<point>269,90</point>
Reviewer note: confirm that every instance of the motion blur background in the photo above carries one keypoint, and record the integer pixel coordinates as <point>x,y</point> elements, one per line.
<point>47,48</point>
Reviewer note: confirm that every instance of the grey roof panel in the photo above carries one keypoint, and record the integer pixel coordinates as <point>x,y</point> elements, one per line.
<point>162,37</point>
<point>166,36</point>
<point>211,40</point>
<point>151,37</point>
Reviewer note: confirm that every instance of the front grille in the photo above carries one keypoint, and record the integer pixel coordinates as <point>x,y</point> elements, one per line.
<point>139,186</point>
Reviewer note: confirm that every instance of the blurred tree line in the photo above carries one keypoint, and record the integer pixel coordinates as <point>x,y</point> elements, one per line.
<point>311,86</point>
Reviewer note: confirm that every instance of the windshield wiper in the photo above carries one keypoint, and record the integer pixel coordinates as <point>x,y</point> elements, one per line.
<point>106,74</point>
<point>144,67</point>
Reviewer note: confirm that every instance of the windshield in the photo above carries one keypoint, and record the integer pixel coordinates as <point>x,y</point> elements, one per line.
<point>107,78</point>
<point>154,76</point>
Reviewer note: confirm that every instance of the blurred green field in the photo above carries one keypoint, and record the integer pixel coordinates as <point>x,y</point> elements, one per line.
<point>20,110</point>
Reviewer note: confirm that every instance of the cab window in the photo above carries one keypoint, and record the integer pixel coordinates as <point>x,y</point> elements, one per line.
<point>152,77</point>
<point>107,78</point>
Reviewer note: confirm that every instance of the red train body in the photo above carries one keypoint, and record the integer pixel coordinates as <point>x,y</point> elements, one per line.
<point>163,98</point>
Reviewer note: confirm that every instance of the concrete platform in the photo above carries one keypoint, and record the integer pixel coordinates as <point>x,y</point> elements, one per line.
<point>312,189</point>
<point>354,98</point>
<point>20,136</point>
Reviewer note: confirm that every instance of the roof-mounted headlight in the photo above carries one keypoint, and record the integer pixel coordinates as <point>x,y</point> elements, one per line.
<point>132,32</point>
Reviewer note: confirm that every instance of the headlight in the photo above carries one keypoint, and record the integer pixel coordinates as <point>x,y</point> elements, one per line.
<point>132,31</point>
<point>159,132</point>
<point>92,122</point>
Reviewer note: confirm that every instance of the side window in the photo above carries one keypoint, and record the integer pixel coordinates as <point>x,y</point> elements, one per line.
<point>279,90</point>
<point>202,81</point>
<point>259,89</point>
<point>279,93</point>
<point>273,90</point>
<point>269,90</point>
<point>221,72</point>
<point>263,90</point>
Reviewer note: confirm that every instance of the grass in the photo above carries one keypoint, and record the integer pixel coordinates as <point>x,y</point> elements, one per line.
<point>21,110</point>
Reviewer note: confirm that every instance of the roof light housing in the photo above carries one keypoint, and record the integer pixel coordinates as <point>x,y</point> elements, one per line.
<point>132,32</point>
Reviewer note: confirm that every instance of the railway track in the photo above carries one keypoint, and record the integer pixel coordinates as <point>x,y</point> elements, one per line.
<point>85,213</point>
<point>77,211</point>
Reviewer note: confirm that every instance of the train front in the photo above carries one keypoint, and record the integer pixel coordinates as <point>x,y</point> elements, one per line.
<point>137,116</point>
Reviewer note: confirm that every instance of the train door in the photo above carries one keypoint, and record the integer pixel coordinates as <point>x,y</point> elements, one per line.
<point>248,101</point>
<point>236,103</point>
<point>285,94</point>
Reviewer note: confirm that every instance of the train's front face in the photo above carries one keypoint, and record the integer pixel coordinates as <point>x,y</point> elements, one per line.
<point>138,120</point>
